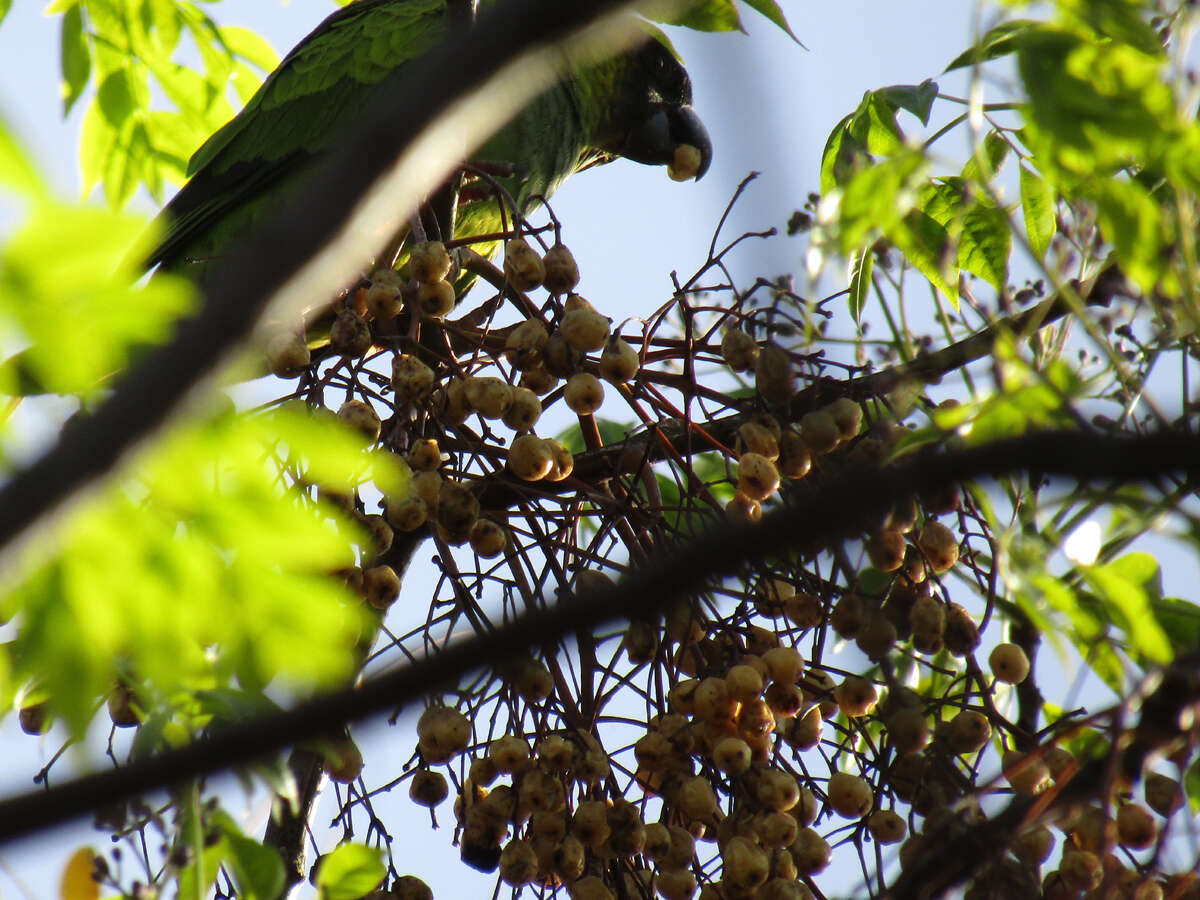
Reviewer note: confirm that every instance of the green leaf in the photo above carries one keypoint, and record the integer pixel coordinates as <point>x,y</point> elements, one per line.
<point>5,6</point>
<point>700,15</point>
<point>772,11</point>
<point>876,200</point>
<point>995,150</point>
<point>349,872</point>
<point>1120,20</point>
<point>873,125</point>
<point>1133,222</point>
<point>1006,38</point>
<point>985,242</point>
<point>1180,621</point>
<point>916,98</point>
<point>249,46</point>
<point>1191,786</point>
<point>926,244</point>
<point>1126,587</point>
<point>1037,205</point>
<point>76,63</point>
<point>842,156</point>
<point>862,264</point>
<point>257,869</point>
<point>17,171</point>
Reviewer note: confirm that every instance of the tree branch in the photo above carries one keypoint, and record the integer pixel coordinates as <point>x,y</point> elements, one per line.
<point>803,524</point>
<point>373,179</point>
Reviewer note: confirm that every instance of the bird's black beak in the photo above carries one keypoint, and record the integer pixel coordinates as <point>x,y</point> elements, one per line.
<point>653,143</point>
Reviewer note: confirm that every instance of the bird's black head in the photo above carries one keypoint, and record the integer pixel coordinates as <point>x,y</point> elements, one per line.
<point>659,119</point>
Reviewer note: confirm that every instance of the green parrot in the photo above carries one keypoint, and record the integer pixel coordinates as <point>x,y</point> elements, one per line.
<point>636,105</point>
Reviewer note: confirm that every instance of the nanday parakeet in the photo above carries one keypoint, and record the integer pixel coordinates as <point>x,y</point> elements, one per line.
<point>635,105</point>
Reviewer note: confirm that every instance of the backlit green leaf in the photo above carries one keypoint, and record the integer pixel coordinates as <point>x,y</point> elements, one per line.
<point>1037,205</point>
<point>349,872</point>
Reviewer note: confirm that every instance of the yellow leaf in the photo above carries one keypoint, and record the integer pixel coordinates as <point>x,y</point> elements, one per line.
<point>77,881</point>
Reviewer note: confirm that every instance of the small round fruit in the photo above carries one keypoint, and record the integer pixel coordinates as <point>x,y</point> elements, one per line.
<point>908,730</point>
<point>379,535</point>
<point>523,346</point>
<point>745,865</point>
<point>1009,663</point>
<point>685,163</point>
<point>458,507</point>
<point>410,887</point>
<point>1081,870</point>
<point>784,664</point>
<point>885,549</point>
<point>412,380</point>
<point>757,476</point>
<point>562,272</point>
<point>510,754</point>
<point>962,633</point>
<point>743,510</point>
<point>811,852</point>
<point>442,733</point>
<point>675,884</point>
<point>795,459</point>
<point>408,514</point>
<point>695,799</point>
<point>429,261</point>
<point>804,732</point>
<point>939,545</point>
<point>773,375</point>
<point>756,438</point>
<point>819,431</point>
<point>436,298</point>
<point>488,539</point>
<point>361,417</point>
<point>1136,828</point>
<point>123,707</point>
<point>584,329</point>
<point>539,381</point>
<point>518,863</point>
<point>564,462</point>
<point>619,362</point>
<point>848,615</point>
<point>522,266</point>
<point>744,683</point>
<point>583,394</point>
<point>1162,793</point>
<point>524,410</point>
<point>424,455</point>
<point>1034,845</point>
<point>350,336</point>
<point>776,790</point>
<point>489,396</point>
<point>428,788</point>
<point>731,755</point>
<point>849,795</point>
<point>381,586</point>
<point>343,761</point>
<point>739,350</point>
<point>968,732</point>
<point>530,458</point>
<point>887,826</point>
<point>532,681</point>
<point>1027,775</point>
<point>287,355</point>
<point>848,415</point>
<point>382,300</point>
<point>856,697</point>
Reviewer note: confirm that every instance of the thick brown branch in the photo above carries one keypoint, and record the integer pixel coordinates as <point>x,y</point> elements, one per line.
<point>805,525</point>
